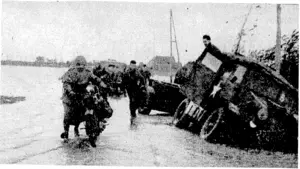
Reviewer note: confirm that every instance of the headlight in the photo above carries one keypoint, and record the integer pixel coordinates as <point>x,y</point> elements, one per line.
<point>232,107</point>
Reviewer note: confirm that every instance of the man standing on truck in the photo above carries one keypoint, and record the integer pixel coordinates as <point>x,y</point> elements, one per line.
<point>135,86</point>
<point>209,47</point>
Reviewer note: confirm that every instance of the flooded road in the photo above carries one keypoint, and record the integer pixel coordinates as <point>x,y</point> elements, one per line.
<point>30,133</point>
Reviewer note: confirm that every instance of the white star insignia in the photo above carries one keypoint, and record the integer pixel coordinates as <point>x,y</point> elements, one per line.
<point>215,90</point>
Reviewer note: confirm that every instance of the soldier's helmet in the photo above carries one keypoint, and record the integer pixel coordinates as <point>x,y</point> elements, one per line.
<point>80,61</point>
<point>132,65</point>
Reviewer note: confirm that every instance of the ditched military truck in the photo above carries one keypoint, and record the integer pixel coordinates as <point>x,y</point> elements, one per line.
<point>231,98</point>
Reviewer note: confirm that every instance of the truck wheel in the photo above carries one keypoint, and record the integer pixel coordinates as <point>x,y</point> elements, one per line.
<point>209,128</point>
<point>178,119</point>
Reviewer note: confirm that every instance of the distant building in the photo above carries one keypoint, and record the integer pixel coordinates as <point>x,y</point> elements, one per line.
<point>161,65</point>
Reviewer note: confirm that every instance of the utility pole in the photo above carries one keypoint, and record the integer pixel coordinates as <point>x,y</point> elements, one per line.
<point>170,45</point>
<point>278,40</point>
<point>172,26</point>
<point>171,33</point>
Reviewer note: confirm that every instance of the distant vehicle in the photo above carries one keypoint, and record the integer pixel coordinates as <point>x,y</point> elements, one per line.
<point>231,98</point>
<point>163,96</point>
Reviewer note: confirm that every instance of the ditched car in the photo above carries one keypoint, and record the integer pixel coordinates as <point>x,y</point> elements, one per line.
<point>232,98</point>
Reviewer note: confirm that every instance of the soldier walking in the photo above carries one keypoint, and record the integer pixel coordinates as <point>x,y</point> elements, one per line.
<point>135,86</point>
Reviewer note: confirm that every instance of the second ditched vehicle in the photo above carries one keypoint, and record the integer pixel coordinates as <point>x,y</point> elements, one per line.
<point>163,96</point>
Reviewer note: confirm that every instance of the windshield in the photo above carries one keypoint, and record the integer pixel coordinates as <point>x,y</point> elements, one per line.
<point>239,73</point>
<point>211,62</point>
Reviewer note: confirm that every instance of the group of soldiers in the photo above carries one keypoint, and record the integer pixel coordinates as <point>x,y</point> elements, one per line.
<point>113,75</point>
<point>134,80</point>
<point>112,78</point>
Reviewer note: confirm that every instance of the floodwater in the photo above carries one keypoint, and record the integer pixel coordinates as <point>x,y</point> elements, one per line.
<point>30,133</point>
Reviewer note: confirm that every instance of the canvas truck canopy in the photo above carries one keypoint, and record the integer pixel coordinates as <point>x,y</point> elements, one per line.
<point>200,76</point>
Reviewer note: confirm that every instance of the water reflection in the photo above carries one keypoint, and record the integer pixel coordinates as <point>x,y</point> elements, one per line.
<point>76,150</point>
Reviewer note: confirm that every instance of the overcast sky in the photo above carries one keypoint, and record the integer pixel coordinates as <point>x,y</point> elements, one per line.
<point>133,30</point>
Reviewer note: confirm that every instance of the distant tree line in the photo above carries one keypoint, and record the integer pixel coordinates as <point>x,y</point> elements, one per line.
<point>40,61</point>
<point>289,54</point>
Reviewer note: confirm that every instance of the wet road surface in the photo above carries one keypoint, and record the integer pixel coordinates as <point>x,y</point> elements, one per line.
<point>144,141</point>
<point>30,135</point>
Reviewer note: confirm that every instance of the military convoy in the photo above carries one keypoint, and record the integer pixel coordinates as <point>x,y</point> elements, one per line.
<point>231,98</point>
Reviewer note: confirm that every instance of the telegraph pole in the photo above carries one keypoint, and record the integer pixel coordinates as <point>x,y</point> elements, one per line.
<point>278,40</point>
<point>175,40</point>
<point>172,26</point>
<point>171,33</point>
<point>170,45</point>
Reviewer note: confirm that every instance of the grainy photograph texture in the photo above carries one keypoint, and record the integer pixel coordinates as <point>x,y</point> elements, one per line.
<point>149,84</point>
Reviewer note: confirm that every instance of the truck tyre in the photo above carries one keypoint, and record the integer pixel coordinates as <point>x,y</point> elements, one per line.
<point>211,125</point>
<point>179,116</point>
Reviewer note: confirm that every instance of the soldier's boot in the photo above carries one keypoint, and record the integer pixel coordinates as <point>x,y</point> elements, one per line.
<point>133,113</point>
<point>65,134</point>
<point>132,107</point>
